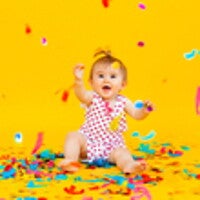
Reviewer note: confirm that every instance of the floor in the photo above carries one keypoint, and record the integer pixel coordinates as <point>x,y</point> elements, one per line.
<point>173,173</point>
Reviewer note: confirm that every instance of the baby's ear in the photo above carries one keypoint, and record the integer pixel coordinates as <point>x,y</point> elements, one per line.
<point>124,84</point>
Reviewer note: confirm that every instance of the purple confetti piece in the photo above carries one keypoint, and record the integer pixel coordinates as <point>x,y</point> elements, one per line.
<point>142,6</point>
<point>44,41</point>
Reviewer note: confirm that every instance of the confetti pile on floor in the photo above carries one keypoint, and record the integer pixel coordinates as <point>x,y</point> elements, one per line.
<point>171,171</point>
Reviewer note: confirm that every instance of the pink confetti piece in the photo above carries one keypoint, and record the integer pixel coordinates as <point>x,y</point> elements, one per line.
<point>198,101</point>
<point>106,3</point>
<point>38,143</point>
<point>144,193</point>
<point>44,41</point>
<point>142,6</point>
<point>140,44</point>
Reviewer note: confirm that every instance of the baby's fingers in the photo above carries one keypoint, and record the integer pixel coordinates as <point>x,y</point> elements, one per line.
<point>149,106</point>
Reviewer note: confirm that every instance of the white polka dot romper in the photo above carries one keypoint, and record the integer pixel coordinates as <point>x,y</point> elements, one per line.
<point>102,137</point>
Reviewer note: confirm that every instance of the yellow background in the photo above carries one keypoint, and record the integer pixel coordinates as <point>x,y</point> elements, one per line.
<point>33,76</point>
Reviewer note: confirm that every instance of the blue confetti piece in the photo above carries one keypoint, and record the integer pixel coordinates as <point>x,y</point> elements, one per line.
<point>191,55</point>
<point>61,177</point>
<point>138,104</point>
<point>146,149</point>
<point>119,179</point>
<point>9,174</point>
<point>31,184</point>
<point>47,154</point>
<point>135,134</point>
<point>149,136</point>
<point>18,137</point>
<point>33,166</point>
<point>131,186</point>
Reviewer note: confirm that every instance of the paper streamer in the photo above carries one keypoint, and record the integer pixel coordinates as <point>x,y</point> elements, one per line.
<point>198,101</point>
<point>38,143</point>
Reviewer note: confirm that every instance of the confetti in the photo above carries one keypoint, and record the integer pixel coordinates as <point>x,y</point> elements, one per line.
<point>140,44</point>
<point>142,6</point>
<point>149,136</point>
<point>66,93</point>
<point>44,41</point>
<point>139,104</point>
<point>198,101</point>
<point>18,137</point>
<point>28,29</point>
<point>38,143</point>
<point>106,3</point>
<point>191,55</point>
<point>115,65</point>
<point>114,124</point>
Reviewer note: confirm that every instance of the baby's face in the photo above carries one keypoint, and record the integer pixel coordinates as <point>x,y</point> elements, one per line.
<point>107,81</point>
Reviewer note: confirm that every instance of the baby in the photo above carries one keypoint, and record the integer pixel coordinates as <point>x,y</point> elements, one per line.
<point>101,135</point>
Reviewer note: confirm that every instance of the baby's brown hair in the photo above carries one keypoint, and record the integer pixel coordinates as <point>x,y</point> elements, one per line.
<point>105,58</point>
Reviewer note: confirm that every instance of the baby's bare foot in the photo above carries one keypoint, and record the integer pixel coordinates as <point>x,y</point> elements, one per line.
<point>69,165</point>
<point>135,167</point>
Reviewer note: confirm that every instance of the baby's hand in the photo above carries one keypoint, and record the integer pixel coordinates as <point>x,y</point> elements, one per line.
<point>148,106</point>
<point>78,71</point>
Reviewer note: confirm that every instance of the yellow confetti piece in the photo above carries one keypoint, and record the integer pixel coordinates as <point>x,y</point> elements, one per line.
<point>115,65</point>
<point>114,124</point>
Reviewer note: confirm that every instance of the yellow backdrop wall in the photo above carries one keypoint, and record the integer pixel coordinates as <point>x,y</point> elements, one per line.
<point>33,75</point>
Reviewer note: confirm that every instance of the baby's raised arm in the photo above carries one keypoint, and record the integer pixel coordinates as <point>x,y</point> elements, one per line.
<point>82,94</point>
<point>138,113</point>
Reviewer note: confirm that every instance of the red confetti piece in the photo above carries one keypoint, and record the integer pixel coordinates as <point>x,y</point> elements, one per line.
<point>198,101</point>
<point>38,143</point>
<point>140,44</point>
<point>106,3</point>
<point>66,93</point>
<point>28,29</point>
<point>72,189</point>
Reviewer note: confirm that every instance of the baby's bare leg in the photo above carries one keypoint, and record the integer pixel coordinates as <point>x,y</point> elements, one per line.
<point>75,146</point>
<point>123,159</point>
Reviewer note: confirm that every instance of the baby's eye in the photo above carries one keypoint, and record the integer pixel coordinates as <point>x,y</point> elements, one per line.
<point>113,76</point>
<point>101,76</point>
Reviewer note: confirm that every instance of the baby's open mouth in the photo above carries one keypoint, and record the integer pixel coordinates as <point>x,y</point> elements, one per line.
<point>106,87</point>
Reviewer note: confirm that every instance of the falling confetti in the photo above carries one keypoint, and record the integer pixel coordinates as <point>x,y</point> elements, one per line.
<point>18,137</point>
<point>38,143</point>
<point>28,29</point>
<point>198,101</point>
<point>66,93</point>
<point>149,136</point>
<point>105,3</point>
<point>140,44</point>
<point>44,41</point>
<point>142,6</point>
<point>140,104</point>
<point>191,55</point>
